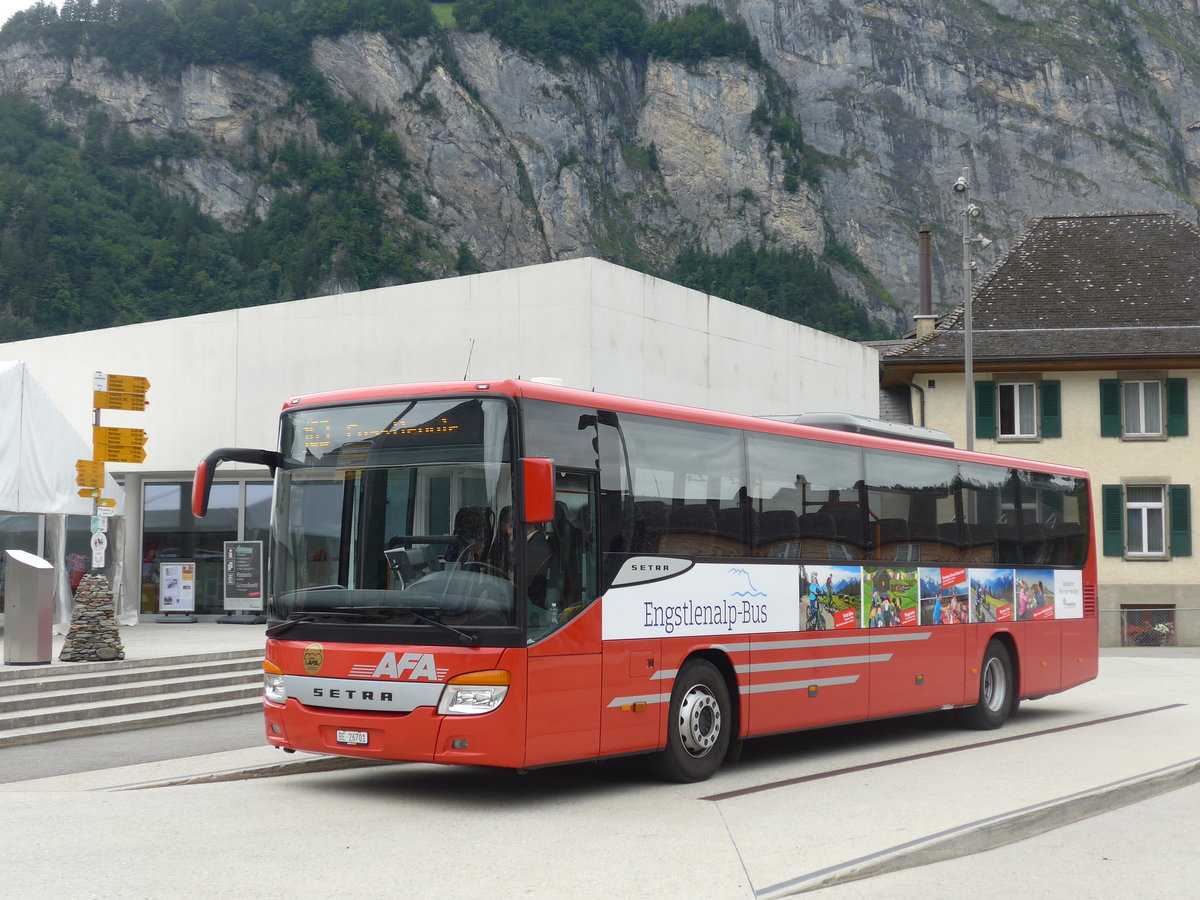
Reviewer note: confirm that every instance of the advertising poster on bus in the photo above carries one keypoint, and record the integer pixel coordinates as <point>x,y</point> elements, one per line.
<point>942,592</point>
<point>1068,595</point>
<point>891,596</point>
<point>666,597</point>
<point>1034,593</point>
<point>991,595</point>
<point>835,597</point>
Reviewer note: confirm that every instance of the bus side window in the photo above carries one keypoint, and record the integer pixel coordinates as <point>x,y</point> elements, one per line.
<point>562,575</point>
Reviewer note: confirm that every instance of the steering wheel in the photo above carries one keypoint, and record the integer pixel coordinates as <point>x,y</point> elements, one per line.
<point>478,565</point>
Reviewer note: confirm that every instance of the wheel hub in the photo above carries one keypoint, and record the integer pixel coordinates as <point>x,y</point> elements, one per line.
<point>994,685</point>
<point>699,721</point>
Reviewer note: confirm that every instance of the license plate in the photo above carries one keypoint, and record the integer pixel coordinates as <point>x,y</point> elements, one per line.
<point>353,738</point>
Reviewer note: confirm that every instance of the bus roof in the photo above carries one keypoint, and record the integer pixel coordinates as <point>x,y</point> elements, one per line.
<point>788,425</point>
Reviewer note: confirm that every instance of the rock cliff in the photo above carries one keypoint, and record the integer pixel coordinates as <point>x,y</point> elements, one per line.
<point>1052,107</point>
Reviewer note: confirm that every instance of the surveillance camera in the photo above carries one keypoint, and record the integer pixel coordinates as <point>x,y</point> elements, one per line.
<point>961,185</point>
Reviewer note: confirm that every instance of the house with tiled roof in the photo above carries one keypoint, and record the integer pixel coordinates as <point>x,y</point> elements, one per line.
<point>1085,349</point>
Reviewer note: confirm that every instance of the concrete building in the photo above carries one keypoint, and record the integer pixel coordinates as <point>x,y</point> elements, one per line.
<point>220,379</point>
<point>1086,347</point>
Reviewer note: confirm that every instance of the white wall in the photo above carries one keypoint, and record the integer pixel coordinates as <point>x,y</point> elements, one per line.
<point>220,379</point>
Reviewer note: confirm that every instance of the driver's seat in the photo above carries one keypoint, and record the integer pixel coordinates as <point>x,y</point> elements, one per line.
<point>472,535</point>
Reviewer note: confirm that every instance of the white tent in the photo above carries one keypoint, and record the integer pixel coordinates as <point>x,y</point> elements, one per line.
<point>38,451</point>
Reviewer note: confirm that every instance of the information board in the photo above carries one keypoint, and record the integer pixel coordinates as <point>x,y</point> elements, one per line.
<point>177,587</point>
<point>243,575</point>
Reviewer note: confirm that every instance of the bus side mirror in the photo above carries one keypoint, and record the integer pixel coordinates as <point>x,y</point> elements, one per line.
<point>201,488</point>
<point>202,483</point>
<point>538,475</point>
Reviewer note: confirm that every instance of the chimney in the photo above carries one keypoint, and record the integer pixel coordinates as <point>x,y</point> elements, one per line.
<point>925,318</point>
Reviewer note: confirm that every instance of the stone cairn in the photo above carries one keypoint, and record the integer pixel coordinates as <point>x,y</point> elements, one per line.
<point>94,635</point>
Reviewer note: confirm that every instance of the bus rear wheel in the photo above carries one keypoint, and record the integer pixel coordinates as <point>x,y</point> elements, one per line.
<point>997,691</point>
<point>700,725</point>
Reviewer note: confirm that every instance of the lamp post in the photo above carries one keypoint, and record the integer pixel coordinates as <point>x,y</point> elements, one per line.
<point>969,213</point>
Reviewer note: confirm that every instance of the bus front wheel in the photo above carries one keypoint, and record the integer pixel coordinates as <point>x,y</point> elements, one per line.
<point>997,690</point>
<point>699,727</point>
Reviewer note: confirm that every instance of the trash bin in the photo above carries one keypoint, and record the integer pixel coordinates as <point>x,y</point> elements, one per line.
<point>28,609</point>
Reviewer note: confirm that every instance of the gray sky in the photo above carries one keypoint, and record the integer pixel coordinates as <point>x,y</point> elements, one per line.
<point>8,7</point>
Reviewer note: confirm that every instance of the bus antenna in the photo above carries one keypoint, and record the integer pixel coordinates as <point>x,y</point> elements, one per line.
<point>470,351</point>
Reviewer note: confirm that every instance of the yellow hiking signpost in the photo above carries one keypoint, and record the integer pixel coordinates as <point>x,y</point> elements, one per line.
<point>89,474</point>
<point>125,445</point>
<point>126,393</point>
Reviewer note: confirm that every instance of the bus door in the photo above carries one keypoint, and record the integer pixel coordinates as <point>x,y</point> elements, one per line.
<point>562,571</point>
<point>632,719</point>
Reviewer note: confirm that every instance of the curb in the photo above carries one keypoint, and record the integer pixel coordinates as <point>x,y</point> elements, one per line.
<point>995,831</point>
<point>272,770</point>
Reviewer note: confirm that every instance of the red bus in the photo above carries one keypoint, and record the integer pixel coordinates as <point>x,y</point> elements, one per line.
<point>516,574</point>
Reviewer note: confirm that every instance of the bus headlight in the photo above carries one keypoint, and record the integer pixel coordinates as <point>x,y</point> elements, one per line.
<point>474,693</point>
<point>273,688</point>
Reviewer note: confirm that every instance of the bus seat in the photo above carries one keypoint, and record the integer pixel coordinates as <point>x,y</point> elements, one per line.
<point>692,531</point>
<point>776,529</point>
<point>732,530</point>
<point>650,523</point>
<point>472,533</point>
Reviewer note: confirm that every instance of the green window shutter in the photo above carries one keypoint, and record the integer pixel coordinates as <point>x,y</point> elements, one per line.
<point>985,409</point>
<point>1051,404</point>
<point>1177,407</point>
<point>1113,505</point>
<point>1110,407</point>
<point>1181,520</point>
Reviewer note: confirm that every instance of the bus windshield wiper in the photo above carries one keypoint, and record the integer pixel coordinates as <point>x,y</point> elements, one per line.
<point>297,618</point>
<point>424,614</point>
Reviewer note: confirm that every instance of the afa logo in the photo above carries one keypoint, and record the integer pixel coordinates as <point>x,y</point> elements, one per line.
<point>408,667</point>
<point>314,658</point>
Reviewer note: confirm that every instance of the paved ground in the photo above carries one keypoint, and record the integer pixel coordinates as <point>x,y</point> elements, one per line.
<point>1091,793</point>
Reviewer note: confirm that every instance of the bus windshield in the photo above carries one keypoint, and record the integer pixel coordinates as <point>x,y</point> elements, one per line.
<point>394,514</point>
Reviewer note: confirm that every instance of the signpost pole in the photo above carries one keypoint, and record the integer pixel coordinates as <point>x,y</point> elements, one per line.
<point>93,634</point>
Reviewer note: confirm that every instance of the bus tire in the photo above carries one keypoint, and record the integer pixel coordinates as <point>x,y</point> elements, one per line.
<point>699,726</point>
<point>997,691</point>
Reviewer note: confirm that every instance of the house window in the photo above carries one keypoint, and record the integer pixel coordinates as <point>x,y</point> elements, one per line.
<point>1018,410</point>
<point>1145,520</point>
<point>1141,408</point>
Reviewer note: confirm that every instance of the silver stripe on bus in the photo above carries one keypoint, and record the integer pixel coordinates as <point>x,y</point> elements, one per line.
<point>649,699</point>
<point>818,663</point>
<point>877,636</point>
<point>799,685</point>
<point>354,693</point>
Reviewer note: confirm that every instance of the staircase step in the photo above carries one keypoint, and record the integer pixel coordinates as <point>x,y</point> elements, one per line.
<point>154,670</point>
<point>74,712</point>
<point>46,696</point>
<point>129,722</point>
<point>61,700</point>
<point>66,670</point>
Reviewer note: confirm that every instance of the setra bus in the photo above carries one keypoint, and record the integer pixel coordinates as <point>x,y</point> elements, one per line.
<point>516,574</point>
